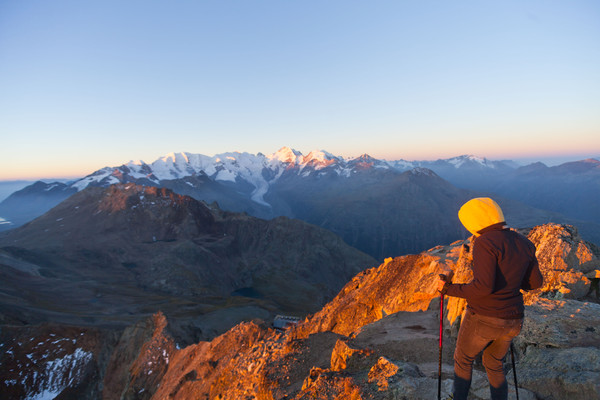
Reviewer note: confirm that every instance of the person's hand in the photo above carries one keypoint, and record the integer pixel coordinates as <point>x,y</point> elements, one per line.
<point>444,279</point>
<point>440,285</point>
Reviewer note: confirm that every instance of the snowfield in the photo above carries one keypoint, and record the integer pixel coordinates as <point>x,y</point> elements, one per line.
<point>258,170</point>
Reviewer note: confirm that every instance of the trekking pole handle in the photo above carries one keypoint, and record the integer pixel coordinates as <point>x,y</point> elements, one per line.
<point>447,277</point>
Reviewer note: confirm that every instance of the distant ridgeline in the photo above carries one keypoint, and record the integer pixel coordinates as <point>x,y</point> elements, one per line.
<point>384,208</point>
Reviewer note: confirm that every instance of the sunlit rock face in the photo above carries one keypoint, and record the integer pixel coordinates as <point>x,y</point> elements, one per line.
<point>568,260</point>
<point>378,339</point>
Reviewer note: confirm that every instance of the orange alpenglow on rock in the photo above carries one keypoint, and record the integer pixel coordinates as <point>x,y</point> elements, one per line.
<point>479,213</point>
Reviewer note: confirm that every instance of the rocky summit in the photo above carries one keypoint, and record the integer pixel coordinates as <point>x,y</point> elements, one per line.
<point>377,339</point>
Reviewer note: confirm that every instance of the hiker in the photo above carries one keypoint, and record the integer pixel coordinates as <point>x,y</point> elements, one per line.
<point>504,262</point>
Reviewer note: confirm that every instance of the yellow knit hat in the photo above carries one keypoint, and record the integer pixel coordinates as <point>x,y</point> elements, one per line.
<point>479,213</point>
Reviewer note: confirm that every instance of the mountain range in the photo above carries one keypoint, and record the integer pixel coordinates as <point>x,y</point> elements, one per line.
<point>383,208</point>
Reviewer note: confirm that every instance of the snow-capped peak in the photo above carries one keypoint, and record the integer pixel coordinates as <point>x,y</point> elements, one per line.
<point>174,158</point>
<point>460,160</point>
<point>172,166</point>
<point>259,170</point>
<point>319,159</point>
<point>286,155</point>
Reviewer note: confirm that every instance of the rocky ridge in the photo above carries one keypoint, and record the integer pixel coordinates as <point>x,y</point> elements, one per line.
<point>377,339</point>
<point>105,257</point>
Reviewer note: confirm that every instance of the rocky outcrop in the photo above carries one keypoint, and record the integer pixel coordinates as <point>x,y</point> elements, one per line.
<point>401,284</point>
<point>407,283</point>
<point>342,352</point>
<point>558,349</point>
<point>560,324</point>
<point>566,261</point>
<point>139,360</point>
<point>386,348</point>
<point>569,373</point>
<point>381,373</point>
<point>378,339</point>
<point>231,366</point>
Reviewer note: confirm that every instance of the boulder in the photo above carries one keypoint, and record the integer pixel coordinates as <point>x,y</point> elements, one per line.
<point>560,324</point>
<point>556,374</point>
<point>565,259</point>
<point>342,352</point>
<point>381,372</point>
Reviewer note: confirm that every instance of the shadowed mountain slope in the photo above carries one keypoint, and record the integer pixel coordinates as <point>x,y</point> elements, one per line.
<point>379,211</point>
<point>107,256</point>
<point>32,201</point>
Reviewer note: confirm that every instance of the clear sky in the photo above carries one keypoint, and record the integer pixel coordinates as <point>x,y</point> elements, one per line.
<point>88,84</point>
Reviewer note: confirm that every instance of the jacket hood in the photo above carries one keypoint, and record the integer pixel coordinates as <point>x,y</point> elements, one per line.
<point>479,213</point>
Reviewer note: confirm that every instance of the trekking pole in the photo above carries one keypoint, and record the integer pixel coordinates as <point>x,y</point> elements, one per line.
<point>440,356</point>
<point>445,279</point>
<point>512,356</point>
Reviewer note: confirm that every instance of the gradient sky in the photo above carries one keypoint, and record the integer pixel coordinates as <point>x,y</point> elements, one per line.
<point>88,84</point>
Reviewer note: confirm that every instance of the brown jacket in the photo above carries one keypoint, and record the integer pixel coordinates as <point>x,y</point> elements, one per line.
<point>504,262</point>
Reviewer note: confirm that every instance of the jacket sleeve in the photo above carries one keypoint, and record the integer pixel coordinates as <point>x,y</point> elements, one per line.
<point>533,278</point>
<point>484,274</point>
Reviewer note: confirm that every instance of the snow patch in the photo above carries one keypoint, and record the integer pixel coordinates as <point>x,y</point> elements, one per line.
<point>422,171</point>
<point>225,175</point>
<point>286,155</point>
<point>457,162</point>
<point>56,375</point>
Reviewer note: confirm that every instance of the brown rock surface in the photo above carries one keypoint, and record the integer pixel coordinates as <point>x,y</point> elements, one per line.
<point>381,372</point>
<point>564,259</point>
<point>402,284</point>
<point>342,352</point>
<point>560,324</point>
<point>557,374</point>
<point>125,352</point>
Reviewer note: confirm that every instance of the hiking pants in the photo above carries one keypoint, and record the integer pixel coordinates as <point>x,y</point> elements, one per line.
<point>492,336</point>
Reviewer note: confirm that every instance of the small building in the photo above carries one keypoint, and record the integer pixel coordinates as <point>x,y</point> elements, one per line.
<point>283,322</point>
